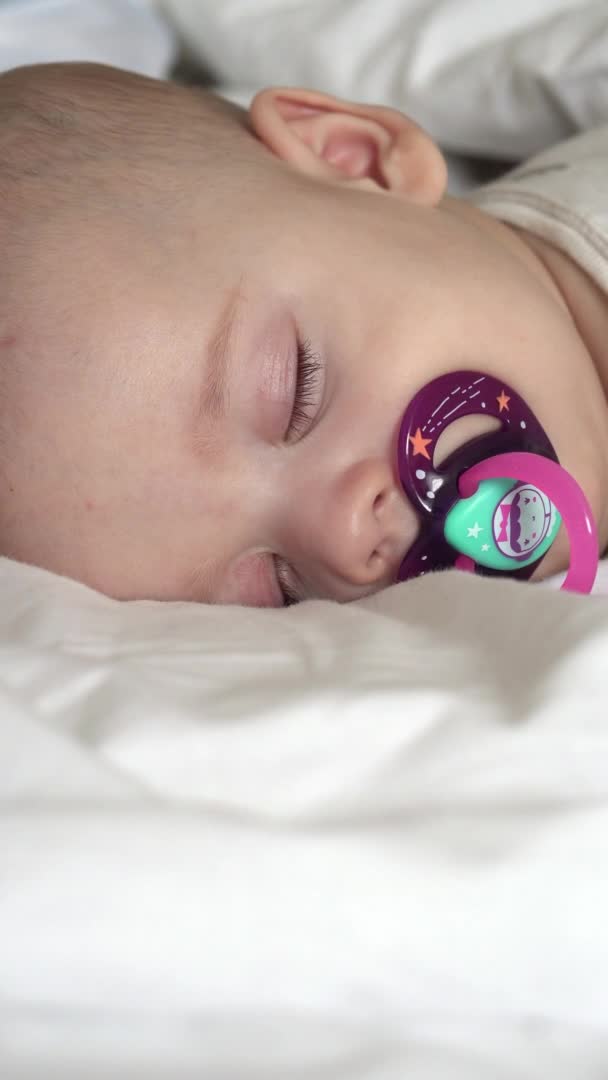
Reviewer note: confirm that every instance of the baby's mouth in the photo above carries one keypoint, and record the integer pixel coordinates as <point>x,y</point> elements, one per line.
<point>451,443</point>
<point>439,444</point>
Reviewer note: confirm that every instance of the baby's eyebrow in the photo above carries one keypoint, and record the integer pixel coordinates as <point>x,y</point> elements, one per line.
<point>220,354</point>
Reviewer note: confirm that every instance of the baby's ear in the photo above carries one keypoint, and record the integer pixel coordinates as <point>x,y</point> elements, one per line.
<point>367,146</point>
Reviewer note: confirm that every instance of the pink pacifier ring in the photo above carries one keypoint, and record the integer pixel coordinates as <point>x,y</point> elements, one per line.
<point>565,494</point>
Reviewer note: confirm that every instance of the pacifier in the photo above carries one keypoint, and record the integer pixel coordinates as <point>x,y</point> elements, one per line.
<point>495,505</point>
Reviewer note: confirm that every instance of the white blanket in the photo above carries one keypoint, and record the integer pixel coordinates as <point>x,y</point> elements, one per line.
<point>329,843</point>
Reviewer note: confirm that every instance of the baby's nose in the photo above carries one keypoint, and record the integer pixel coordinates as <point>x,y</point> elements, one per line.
<point>368,527</point>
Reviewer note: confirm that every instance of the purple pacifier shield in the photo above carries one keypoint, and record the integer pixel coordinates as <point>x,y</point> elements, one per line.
<point>434,490</point>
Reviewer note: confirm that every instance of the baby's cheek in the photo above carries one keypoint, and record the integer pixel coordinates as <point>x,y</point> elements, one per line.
<point>461,432</point>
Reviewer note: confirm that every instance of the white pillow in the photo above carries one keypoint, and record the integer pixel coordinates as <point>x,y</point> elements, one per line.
<point>125,33</point>
<point>496,79</point>
<point>328,842</point>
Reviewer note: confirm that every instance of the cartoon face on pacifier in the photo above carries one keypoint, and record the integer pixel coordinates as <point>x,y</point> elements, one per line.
<point>506,525</point>
<point>522,520</point>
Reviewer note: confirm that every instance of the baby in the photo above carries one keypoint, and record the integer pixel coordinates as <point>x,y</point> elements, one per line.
<point>212,321</point>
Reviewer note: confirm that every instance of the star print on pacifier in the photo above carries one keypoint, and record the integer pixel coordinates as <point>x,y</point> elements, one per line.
<point>495,505</point>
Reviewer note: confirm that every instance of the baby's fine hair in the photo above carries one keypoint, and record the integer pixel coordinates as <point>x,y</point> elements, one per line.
<point>61,125</point>
<point>81,141</point>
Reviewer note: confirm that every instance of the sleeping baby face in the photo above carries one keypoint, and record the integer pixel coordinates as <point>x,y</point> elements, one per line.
<point>214,323</point>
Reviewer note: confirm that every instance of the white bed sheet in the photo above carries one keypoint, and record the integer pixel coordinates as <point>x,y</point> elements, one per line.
<point>342,842</point>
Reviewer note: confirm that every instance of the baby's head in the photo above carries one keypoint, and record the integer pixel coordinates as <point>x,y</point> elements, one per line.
<point>212,320</point>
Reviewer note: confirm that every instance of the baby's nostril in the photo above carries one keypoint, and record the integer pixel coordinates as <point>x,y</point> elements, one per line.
<point>378,501</point>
